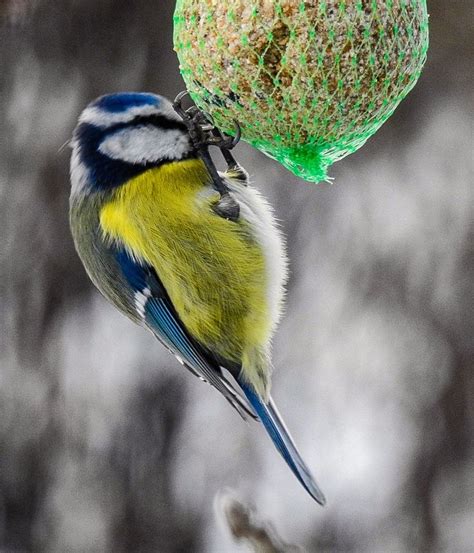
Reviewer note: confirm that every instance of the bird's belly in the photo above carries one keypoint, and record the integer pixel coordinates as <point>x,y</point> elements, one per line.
<point>217,283</point>
<point>213,269</point>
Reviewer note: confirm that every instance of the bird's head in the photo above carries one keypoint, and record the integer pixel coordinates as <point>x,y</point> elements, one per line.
<point>119,136</point>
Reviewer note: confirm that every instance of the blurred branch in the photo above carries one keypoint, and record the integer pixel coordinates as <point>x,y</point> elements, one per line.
<point>245,525</point>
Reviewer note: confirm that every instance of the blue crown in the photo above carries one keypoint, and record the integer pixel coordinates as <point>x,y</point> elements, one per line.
<point>116,103</point>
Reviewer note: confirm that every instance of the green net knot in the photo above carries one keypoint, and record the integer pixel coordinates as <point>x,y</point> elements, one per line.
<point>306,161</point>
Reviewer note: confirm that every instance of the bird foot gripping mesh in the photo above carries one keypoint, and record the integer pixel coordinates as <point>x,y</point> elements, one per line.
<point>308,81</point>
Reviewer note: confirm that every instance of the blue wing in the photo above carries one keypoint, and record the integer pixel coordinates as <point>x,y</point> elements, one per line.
<point>154,307</point>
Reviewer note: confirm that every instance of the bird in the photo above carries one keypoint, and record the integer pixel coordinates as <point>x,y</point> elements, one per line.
<point>191,254</point>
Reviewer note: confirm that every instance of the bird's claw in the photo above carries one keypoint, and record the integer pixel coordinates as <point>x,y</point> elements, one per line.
<point>204,133</point>
<point>202,129</point>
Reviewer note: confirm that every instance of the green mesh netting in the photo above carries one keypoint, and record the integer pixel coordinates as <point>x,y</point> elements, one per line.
<point>308,81</point>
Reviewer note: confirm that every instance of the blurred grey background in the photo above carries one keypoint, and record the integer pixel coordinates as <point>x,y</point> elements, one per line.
<point>107,445</point>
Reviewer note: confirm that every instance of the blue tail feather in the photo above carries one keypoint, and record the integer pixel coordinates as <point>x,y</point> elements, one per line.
<point>282,440</point>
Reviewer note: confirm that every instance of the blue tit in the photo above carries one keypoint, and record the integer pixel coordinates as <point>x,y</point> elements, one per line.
<point>155,238</point>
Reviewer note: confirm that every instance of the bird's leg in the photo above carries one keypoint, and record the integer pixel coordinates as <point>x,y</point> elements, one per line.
<point>234,170</point>
<point>204,133</point>
<point>225,144</point>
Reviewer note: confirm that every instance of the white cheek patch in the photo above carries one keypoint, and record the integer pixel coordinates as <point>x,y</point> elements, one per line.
<point>146,143</point>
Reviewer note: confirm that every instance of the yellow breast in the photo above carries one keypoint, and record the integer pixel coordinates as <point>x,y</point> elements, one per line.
<point>212,269</point>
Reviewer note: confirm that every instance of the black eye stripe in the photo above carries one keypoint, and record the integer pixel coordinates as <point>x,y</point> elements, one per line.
<point>158,121</point>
